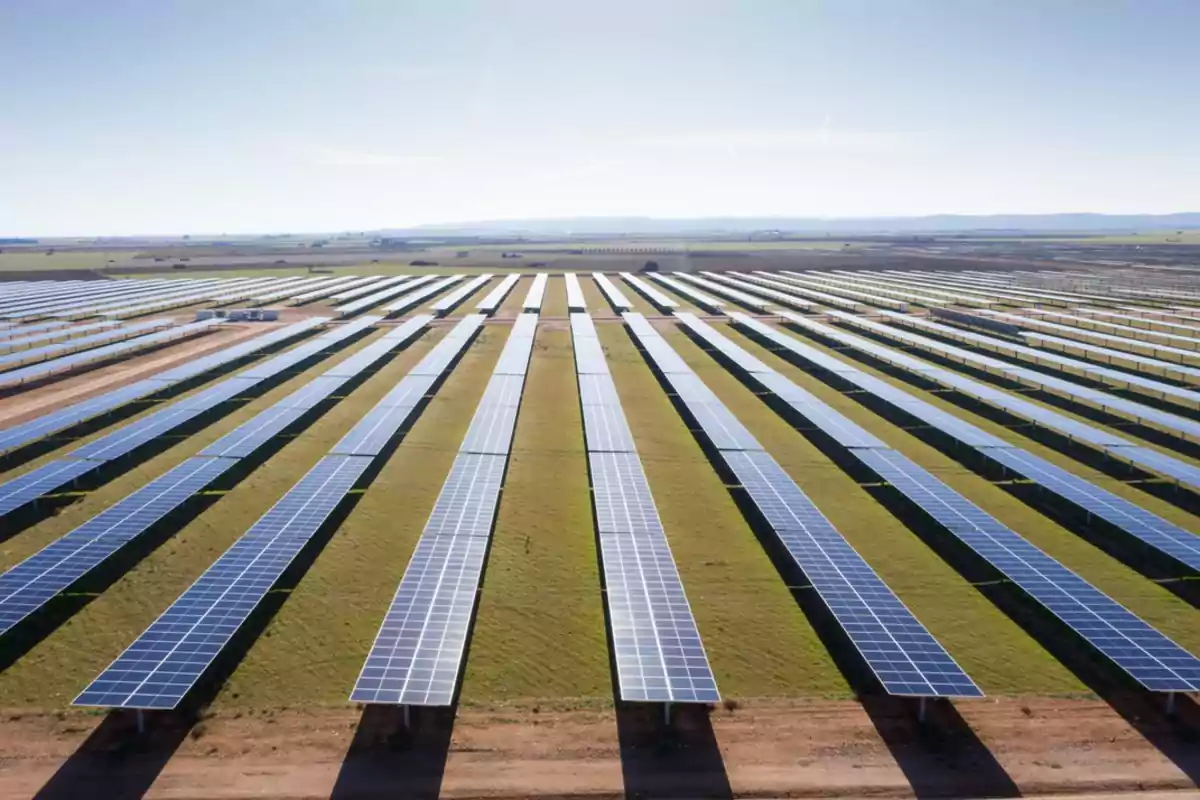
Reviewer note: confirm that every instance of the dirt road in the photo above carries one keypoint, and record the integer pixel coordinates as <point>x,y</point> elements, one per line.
<point>999,747</point>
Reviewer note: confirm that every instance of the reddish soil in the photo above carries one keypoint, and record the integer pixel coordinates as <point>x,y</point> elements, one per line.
<point>803,749</point>
<point>75,387</point>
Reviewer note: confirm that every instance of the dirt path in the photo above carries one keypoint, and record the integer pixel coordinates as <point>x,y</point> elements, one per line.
<point>779,749</point>
<point>71,389</point>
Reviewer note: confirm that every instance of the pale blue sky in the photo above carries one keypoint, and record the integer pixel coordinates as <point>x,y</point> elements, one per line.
<point>152,116</point>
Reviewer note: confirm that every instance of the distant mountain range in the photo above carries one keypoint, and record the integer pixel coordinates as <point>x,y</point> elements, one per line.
<point>1040,223</point>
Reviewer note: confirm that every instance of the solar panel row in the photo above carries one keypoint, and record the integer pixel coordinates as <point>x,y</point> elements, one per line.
<point>611,293</point>
<point>826,298</point>
<point>417,655</point>
<point>1156,532</point>
<point>657,298</point>
<point>727,292</point>
<point>163,664</point>
<point>40,427</point>
<point>575,301</point>
<point>377,294</point>
<point>33,582</point>
<point>1119,378</point>
<point>454,299</point>
<point>1172,423</point>
<point>68,363</point>
<point>761,292</point>
<point>490,303</point>
<point>656,645</point>
<point>415,298</point>
<point>83,342</point>
<point>127,438</point>
<point>1142,652</point>
<point>1104,440</point>
<point>897,648</point>
<point>533,299</point>
<point>705,301</point>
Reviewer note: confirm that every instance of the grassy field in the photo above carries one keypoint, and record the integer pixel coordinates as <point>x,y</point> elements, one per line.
<point>539,635</point>
<point>540,628</point>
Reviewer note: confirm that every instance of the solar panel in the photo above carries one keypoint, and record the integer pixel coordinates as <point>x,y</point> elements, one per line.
<point>729,293</point>
<point>376,429</point>
<point>1121,379</point>
<point>1180,544</point>
<point>1148,656</point>
<point>377,293</point>
<point>611,293</point>
<point>33,582</point>
<point>533,299</point>
<point>656,646</point>
<point>657,298</point>
<point>163,664</point>
<point>33,484</point>
<point>575,301</point>
<point>491,430</point>
<point>1154,531</point>
<point>605,429</point>
<point>418,652</point>
<point>1044,417</point>
<point>597,389</point>
<point>622,496</point>
<point>128,438</point>
<point>23,434</point>
<point>705,301</point>
<point>894,644</point>
<point>455,298</point>
<point>52,350</point>
<point>70,362</point>
<point>760,292</point>
<point>430,286</point>
<point>495,297</point>
<point>467,502</point>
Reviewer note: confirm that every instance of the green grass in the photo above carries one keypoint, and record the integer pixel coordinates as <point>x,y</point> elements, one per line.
<point>540,631</point>
<point>36,259</point>
<point>539,635</point>
<point>554,300</point>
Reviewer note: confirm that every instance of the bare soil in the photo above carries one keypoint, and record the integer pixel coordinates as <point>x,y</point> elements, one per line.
<point>997,747</point>
<point>73,388</point>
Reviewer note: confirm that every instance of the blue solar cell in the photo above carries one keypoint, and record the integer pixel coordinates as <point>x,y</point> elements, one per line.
<point>656,646</point>
<point>1145,654</point>
<point>606,430</point>
<point>162,665</point>
<point>35,483</point>
<point>33,582</point>
<point>621,495</point>
<point>896,646</point>
<point>417,654</point>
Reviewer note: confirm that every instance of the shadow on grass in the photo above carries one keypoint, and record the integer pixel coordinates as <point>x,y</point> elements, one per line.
<point>681,760</point>
<point>386,759</point>
<point>114,762</point>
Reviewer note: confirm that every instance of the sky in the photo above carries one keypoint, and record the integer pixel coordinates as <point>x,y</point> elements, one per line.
<point>131,117</point>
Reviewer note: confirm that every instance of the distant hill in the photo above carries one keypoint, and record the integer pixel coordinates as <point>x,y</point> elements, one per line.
<point>943,223</point>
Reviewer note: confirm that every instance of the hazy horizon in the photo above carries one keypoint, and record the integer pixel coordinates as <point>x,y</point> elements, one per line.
<point>143,118</point>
